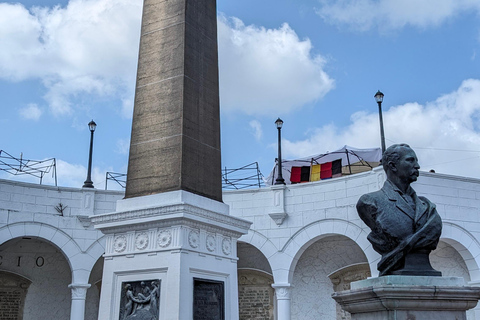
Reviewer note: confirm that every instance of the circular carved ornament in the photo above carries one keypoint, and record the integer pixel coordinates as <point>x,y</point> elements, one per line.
<point>141,241</point>
<point>193,239</point>
<point>226,246</point>
<point>210,243</point>
<point>120,244</point>
<point>164,238</point>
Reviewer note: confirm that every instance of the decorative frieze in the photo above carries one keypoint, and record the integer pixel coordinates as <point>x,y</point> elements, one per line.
<point>120,244</point>
<point>141,241</point>
<point>210,242</point>
<point>164,238</point>
<point>193,238</point>
<point>226,246</point>
<point>175,238</point>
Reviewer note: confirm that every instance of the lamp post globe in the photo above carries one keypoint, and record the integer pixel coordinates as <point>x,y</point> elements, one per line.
<point>279,180</point>
<point>88,182</point>
<point>379,98</point>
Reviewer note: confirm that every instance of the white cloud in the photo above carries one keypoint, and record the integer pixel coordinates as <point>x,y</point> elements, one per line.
<point>74,175</point>
<point>90,47</point>
<point>257,131</point>
<point>123,146</point>
<point>267,70</point>
<point>392,14</point>
<point>87,47</point>
<point>435,130</point>
<point>31,112</point>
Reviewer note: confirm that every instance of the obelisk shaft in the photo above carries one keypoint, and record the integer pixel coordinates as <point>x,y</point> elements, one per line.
<point>175,141</point>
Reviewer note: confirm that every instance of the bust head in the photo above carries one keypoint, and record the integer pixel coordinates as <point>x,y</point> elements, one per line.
<point>400,164</point>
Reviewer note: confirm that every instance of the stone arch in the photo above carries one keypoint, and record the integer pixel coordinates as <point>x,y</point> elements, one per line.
<point>303,238</point>
<point>49,271</point>
<point>76,259</point>
<point>311,284</point>
<point>91,255</point>
<point>466,245</point>
<point>261,242</point>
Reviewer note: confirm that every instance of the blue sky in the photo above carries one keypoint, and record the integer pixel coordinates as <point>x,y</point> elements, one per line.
<point>314,63</point>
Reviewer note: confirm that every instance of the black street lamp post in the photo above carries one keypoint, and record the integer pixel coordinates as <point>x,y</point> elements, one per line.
<point>89,183</point>
<point>379,99</point>
<point>279,124</point>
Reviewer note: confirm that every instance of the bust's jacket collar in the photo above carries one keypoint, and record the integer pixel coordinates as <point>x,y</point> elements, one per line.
<point>394,194</point>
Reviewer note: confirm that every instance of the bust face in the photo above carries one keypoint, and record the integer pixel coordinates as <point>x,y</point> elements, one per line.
<point>407,166</point>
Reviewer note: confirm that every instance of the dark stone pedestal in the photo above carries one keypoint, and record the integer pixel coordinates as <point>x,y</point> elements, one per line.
<point>408,297</point>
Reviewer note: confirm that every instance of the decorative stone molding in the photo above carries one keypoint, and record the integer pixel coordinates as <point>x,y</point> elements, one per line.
<point>79,290</point>
<point>174,214</point>
<point>164,238</point>
<point>282,290</point>
<point>193,238</point>
<point>176,238</point>
<point>278,217</point>
<point>141,241</point>
<point>85,221</point>
<point>120,243</point>
<point>210,243</point>
<point>226,246</point>
<point>88,200</point>
<point>278,213</point>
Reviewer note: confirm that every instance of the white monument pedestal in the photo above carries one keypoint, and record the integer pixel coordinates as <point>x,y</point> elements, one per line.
<point>178,238</point>
<point>408,298</point>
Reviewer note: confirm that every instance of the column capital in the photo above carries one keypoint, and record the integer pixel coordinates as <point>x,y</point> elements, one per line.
<point>79,290</point>
<point>282,290</point>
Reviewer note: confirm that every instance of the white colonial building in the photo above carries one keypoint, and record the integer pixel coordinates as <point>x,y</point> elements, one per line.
<point>306,242</point>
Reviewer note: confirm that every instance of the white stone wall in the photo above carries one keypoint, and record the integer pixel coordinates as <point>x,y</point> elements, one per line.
<point>286,222</point>
<point>28,210</point>
<point>315,210</point>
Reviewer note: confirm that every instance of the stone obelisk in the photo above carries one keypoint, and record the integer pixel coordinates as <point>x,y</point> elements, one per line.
<point>175,141</point>
<point>170,246</point>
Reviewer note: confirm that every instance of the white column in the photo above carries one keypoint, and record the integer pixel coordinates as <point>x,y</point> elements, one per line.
<point>79,294</point>
<point>282,292</point>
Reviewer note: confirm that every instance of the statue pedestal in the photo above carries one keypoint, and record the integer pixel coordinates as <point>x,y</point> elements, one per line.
<point>408,297</point>
<point>183,243</point>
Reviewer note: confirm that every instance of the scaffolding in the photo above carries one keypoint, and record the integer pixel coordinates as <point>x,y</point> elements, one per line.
<point>21,166</point>
<point>248,176</point>
<point>119,178</point>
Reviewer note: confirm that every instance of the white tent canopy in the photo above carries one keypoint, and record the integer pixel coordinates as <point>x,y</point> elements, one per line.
<point>349,155</point>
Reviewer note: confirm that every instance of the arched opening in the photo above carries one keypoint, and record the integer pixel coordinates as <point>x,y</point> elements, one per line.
<point>255,292</point>
<point>93,293</point>
<point>447,260</point>
<point>311,286</point>
<point>48,296</point>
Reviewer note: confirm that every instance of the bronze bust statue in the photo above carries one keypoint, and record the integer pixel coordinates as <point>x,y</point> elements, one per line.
<point>405,228</point>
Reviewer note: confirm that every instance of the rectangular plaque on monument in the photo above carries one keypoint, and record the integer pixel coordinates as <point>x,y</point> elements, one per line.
<point>140,300</point>
<point>208,299</point>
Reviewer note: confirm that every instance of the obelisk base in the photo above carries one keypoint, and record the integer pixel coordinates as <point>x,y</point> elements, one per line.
<point>180,242</point>
<point>408,297</point>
